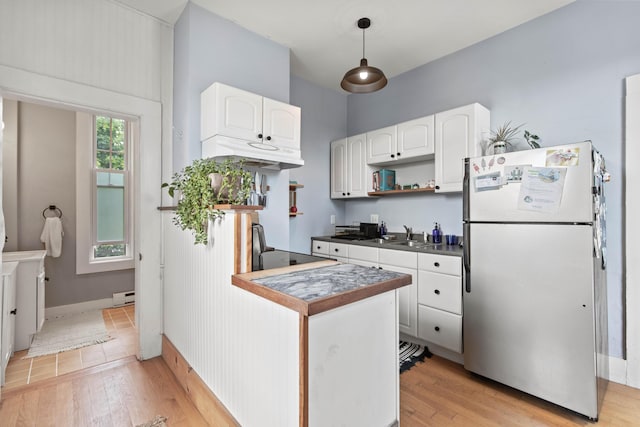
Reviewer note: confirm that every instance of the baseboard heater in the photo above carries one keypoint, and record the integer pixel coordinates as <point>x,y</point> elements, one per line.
<point>124,298</point>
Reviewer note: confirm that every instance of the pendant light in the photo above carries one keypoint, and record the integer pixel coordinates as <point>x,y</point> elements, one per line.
<point>363,79</point>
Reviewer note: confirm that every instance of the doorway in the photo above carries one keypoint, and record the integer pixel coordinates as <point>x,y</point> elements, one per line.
<point>27,86</point>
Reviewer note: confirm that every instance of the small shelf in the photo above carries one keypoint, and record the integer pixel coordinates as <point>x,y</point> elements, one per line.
<point>293,199</point>
<point>394,192</point>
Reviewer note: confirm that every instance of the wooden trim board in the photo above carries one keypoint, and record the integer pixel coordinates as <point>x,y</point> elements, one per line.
<point>202,397</point>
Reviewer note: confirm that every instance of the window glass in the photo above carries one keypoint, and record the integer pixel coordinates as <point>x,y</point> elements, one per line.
<point>110,203</point>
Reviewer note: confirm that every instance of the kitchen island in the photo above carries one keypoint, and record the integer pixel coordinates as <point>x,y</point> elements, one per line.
<point>348,338</point>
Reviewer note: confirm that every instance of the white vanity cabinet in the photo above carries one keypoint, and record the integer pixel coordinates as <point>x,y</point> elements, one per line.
<point>440,300</point>
<point>404,262</point>
<point>458,134</point>
<point>410,141</point>
<point>349,171</point>
<point>236,113</point>
<point>8,314</point>
<point>29,295</point>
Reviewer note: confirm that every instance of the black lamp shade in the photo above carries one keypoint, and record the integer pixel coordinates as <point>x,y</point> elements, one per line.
<point>356,81</point>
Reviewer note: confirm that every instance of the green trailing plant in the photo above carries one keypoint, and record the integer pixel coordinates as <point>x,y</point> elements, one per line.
<point>532,140</point>
<point>504,135</point>
<point>197,197</point>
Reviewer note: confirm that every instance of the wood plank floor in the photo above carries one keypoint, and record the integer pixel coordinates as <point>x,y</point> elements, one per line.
<point>442,393</point>
<point>120,323</point>
<point>124,392</point>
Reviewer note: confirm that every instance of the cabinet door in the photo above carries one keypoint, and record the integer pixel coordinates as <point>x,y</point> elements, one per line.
<point>8,320</point>
<point>407,301</point>
<point>416,139</point>
<point>382,145</point>
<point>459,133</point>
<point>231,112</point>
<point>339,169</point>
<point>281,124</point>
<point>356,166</point>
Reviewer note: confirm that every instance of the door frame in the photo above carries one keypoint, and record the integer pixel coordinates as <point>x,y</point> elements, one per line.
<point>148,163</point>
<point>632,230</point>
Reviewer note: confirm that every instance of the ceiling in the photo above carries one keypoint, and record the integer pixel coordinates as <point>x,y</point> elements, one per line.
<point>325,41</point>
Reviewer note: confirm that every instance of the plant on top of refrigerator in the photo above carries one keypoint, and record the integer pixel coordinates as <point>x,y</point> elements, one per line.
<point>502,138</point>
<point>532,140</point>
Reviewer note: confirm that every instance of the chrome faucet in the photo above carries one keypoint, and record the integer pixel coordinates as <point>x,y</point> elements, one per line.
<point>409,231</point>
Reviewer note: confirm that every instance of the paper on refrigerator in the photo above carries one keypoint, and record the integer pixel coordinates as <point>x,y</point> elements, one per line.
<point>541,189</point>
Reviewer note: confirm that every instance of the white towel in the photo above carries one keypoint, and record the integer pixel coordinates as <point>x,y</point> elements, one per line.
<point>52,236</point>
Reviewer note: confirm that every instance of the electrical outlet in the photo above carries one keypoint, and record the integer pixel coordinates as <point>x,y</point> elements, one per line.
<point>333,219</point>
<point>373,218</point>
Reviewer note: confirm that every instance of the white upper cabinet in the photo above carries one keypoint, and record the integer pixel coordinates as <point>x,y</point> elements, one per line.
<point>458,133</point>
<point>406,142</point>
<point>348,167</point>
<point>416,139</point>
<point>281,124</point>
<point>236,113</point>
<point>382,146</point>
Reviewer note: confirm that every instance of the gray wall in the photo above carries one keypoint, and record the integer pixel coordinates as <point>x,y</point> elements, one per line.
<point>562,74</point>
<point>324,119</point>
<point>46,175</point>
<point>208,49</point>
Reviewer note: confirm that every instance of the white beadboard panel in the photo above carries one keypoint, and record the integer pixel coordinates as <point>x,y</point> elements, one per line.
<point>95,42</point>
<point>244,347</point>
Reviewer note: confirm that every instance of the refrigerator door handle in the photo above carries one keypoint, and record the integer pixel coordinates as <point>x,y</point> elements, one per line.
<point>466,256</point>
<point>465,191</point>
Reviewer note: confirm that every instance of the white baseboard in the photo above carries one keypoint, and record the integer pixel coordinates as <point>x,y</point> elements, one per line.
<point>66,310</point>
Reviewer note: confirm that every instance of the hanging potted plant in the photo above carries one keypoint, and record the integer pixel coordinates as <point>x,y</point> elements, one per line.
<point>502,138</point>
<point>199,193</point>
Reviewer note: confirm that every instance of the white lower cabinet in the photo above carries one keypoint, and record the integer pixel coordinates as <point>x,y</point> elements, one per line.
<point>431,307</point>
<point>29,295</point>
<point>8,314</point>
<point>404,262</point>
<point>440,327</point>
<point>440,300</point>
<point>319,248</point>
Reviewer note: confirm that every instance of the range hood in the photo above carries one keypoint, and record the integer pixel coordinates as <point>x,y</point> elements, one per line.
<point>256,154</point>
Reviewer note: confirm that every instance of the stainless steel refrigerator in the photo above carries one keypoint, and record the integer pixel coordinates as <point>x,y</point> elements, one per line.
<point>534,298</point>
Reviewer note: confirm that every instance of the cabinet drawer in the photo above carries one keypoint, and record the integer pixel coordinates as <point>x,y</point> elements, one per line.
<point>338,250</point>
<point>399,258</point>
<point>440,291</point>
<point>440,327</point>
<point>363,263</point>
<point>319,247</point>
<point>445,264</point>
<point>363,253</point>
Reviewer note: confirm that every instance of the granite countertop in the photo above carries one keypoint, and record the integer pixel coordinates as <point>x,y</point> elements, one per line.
<point>320,286</point>
<point>441,249</point>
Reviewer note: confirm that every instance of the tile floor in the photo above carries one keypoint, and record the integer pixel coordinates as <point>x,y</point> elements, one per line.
<point>119,321</point>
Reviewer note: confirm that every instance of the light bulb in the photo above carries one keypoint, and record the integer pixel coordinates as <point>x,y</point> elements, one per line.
<point>364,75</point>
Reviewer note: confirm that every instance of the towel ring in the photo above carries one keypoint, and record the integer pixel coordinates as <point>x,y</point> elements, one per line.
<point>56,210</point>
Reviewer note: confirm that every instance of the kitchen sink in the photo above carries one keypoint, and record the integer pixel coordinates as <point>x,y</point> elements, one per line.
<point>413,244</point>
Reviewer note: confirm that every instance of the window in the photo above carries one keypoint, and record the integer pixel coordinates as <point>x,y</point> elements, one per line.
<point>104,199</point>
<point>110,207</point>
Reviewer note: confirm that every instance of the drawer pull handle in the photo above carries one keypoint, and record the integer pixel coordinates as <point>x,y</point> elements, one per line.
<point>437,328</point>
<point>437,291</point>
<point>318,247</point>
<point>14,311</point>
<point>336,249</point>
<point>437,264</point>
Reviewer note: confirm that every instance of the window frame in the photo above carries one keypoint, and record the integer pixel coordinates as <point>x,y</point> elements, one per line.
<point>86,196</point>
